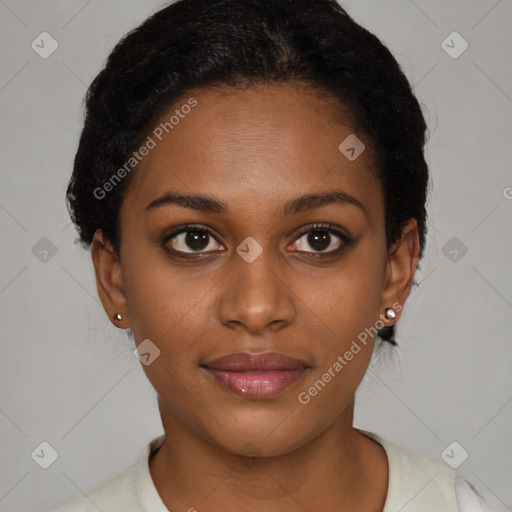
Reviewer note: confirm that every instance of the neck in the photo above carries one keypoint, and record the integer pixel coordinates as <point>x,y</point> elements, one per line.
<point>333,471</point>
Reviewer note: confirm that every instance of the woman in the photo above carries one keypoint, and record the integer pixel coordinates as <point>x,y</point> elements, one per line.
<point>251,182</point>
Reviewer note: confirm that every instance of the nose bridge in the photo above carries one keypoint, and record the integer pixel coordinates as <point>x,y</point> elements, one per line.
<point>255,295</point>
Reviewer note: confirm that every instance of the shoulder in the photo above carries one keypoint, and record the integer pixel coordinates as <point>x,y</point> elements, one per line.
<point>130,491</point>
<point>117,493</point>
<point>422,484</point>
<point>468,499</point>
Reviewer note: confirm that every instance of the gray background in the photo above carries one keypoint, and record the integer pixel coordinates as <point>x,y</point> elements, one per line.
<point>68,377</point>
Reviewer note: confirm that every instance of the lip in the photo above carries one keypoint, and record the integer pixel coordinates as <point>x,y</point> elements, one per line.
<point>251,375</point>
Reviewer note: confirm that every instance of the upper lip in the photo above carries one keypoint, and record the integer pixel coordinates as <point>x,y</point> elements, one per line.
<point>246,361</point>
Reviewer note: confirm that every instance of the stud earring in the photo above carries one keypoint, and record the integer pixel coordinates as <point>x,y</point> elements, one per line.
<point>118,317</point>
<point>390,313</point>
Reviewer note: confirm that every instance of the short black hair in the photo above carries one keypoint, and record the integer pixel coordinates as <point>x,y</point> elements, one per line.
<point>190,44</point>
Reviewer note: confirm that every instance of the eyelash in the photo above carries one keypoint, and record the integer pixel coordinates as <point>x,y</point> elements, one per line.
<point>346,240</point>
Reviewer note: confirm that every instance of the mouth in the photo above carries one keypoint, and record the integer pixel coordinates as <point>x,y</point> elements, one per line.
<point>256,376</point>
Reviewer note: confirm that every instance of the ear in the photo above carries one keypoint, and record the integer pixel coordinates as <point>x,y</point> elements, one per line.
<point>403,257</point>
<point>109,279</point>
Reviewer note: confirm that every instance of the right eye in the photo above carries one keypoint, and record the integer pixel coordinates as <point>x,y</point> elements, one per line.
<point>195,238</point>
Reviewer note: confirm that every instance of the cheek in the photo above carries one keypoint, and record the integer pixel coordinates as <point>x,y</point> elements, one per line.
<point>348,301</point>
<point>161,301</point>
<point>171,313</point>
<point>342,317</point>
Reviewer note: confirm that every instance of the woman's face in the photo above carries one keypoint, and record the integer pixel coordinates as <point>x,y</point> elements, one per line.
<point>265,279</point>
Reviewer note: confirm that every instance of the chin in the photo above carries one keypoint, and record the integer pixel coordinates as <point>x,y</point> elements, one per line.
<point>260,434</point>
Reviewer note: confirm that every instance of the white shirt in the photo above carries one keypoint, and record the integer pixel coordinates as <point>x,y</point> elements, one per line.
<point>416,484</point>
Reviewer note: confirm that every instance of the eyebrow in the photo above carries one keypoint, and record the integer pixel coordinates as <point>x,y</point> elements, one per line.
<point>303,203</point>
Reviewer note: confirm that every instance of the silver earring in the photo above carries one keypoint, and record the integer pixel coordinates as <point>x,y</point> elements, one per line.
<point>390,313</point>
<point>118,317</point>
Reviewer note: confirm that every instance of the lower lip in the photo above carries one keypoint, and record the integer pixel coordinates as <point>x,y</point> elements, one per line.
<point>257,384</point>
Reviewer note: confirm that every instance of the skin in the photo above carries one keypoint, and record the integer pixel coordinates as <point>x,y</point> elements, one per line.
<point>254,149</point>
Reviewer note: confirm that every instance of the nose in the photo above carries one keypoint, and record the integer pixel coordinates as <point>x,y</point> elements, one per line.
<point>257,296</point>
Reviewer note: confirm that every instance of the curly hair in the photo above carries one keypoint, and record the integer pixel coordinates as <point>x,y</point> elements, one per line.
<point>206,43</point>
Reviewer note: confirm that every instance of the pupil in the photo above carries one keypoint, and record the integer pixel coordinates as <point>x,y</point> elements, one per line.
<point>319,242</point>
<point>197,240</point>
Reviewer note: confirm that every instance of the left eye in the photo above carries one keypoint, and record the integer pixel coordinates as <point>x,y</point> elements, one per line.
<point>320,239</point>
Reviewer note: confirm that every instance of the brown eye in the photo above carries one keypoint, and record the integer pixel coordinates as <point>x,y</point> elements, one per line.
<point>322,239</point>
<point>191,240</point>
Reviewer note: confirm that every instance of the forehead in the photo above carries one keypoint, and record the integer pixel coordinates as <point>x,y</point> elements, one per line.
<point>255,145</point>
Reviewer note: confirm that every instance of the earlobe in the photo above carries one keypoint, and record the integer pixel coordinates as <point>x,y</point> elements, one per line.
<point>402,262</point>
<point>109,280</point>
